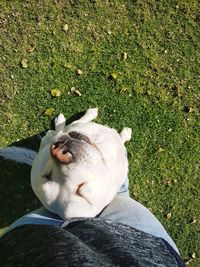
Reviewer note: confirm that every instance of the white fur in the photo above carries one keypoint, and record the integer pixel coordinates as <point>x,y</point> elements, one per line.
<point>60,122</point>
<point>101,168</point>
<point>126,134</point>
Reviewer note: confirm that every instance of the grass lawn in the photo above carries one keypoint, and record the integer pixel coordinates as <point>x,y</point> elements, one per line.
<point>138,62</point>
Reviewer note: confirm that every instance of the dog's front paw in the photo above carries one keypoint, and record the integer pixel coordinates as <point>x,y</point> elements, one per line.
<point>89,115</point>
<point>92,113</point>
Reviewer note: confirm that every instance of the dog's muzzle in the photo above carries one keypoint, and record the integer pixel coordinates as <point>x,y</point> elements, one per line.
<point>63,149</point>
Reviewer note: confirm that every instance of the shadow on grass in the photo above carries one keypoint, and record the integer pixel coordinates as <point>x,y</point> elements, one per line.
<point>17,197</point>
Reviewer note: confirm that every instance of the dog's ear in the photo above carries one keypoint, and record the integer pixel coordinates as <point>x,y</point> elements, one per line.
<point>126,134</point>
<point>60,122</point>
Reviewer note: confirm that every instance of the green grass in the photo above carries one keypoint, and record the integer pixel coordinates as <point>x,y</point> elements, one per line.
<point>155,92</point>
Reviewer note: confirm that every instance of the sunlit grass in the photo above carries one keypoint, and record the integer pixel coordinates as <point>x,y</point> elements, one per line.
<point>139,65</point>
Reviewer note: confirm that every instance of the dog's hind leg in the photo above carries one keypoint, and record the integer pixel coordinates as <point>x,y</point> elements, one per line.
<point>90,115</point>
<point>60,123</point>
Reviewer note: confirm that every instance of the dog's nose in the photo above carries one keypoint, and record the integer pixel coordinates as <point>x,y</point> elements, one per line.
<point>60,152</point>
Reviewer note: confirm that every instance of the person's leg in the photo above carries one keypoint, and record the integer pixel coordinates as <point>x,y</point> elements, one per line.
<point>39,216</point>
<point>122,209</point>
<point>128,211</point>
<point>43,216</point>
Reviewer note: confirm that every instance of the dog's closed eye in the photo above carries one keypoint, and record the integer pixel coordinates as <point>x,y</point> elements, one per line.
<point>48,176</point>
<point>78,136</point>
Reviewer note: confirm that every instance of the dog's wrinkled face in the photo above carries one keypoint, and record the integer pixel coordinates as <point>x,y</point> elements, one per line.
<point>80,167</point>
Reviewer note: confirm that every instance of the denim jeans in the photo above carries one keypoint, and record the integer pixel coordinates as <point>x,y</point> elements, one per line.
<point>122,209</point>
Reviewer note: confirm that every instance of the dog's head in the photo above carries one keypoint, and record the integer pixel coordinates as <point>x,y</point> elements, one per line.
<point>80,167</point>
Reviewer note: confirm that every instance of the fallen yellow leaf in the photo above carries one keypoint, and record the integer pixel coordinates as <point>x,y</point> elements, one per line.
<point>125,55</point>
<point>194,221</point>
<point>169,215</point>
<point>24,63</point>
<point>160,150</point>
<point>75,91</point>
<point>31,49</point>
<point>49,112</point>
<point>122,90</point>
<point>114,75</point>
<point>80,72</point>
<point>65,27</point>
<point>193,255</point>
<point>191,110</point>
<point>55,92</point>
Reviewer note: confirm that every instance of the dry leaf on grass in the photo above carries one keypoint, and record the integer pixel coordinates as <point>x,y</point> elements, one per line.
<point>113,75</point>
<point>75,91</point>
<point>160,150</point>
<point>169,215</point>
<point>194,221</point>
<point>31,49</point>
<point>24,63</point>
<point>55,92</point>
<point>194,255</point>
<point>49,111</point>
<point>65,27</point>
<point>124,56</point>
<point>123,90</point>
<point>79,72</point>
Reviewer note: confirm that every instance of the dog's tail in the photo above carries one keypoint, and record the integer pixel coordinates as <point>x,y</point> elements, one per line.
<point>18,154</point>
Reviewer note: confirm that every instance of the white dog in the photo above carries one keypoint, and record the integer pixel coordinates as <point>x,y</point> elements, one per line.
<point>79,168</point>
